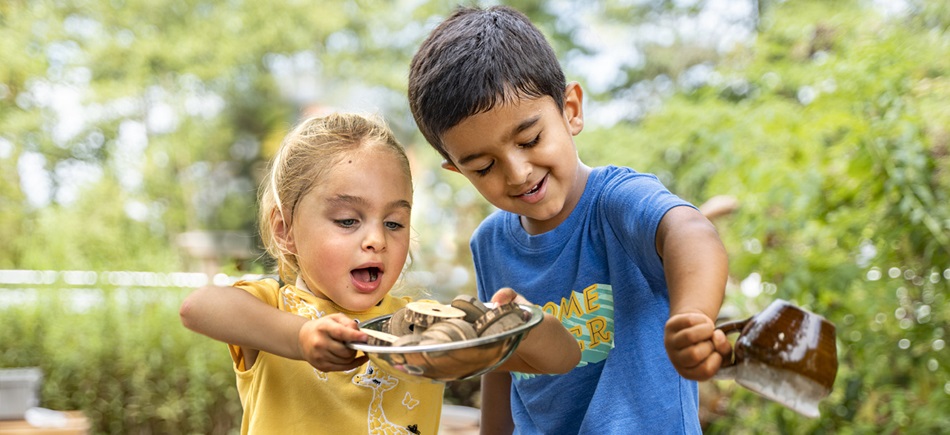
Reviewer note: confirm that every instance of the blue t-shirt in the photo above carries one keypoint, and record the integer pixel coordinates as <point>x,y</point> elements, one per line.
<point>598,272</point>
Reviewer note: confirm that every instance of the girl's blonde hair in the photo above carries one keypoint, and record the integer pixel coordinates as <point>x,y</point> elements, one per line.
<point>305,156</point>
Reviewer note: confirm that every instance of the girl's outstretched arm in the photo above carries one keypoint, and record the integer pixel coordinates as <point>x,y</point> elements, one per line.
<point>236,317</point>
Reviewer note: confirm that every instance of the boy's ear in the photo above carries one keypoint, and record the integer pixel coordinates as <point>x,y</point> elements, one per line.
<point>573,107</point>
<point>281,231</point>
<point>449,166</point>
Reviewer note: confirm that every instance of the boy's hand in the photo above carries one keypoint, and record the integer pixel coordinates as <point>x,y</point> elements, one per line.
<point>695,347</point>
<point>507,294</point>
<point>323,343</point>
<point>548,348</point>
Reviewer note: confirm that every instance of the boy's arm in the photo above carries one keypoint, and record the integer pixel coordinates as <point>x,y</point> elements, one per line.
<point>235,316</point>
<point>548,348</point>
<point>696,268</point>
<point>496,404</point>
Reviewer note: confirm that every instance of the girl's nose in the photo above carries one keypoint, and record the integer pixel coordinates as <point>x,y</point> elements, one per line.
<point>375,238</point>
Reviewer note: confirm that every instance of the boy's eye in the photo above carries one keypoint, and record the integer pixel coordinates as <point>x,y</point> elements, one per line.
<point>484,171</point>
<point>532,143</point>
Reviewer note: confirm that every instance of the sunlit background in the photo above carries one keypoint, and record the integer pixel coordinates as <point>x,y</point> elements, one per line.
<point>133,135</point>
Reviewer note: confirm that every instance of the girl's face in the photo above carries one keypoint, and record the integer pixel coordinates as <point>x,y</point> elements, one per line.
<point>350,233</point>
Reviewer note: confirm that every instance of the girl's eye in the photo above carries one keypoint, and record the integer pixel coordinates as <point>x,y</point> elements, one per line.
<point>394,225</point>
<point>345,223</point>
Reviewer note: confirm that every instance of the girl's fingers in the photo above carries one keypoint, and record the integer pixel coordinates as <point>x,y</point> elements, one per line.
<point>343,329</point>
<point>327,339</point>
<point>329,366</point>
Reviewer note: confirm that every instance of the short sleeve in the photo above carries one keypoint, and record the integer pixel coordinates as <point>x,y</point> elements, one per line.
<point>266,290</point>
<point>634,205</point>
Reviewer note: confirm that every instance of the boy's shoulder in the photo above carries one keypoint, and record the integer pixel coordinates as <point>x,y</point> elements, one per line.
<point>620,182</point>
<point>609,189</point>
<point>495,221</point>
<point>614,173</point>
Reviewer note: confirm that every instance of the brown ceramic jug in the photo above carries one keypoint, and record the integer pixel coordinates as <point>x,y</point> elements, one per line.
<point>786,354</point>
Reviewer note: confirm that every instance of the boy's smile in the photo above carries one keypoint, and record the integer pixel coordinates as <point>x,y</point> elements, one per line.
<point>535,193</point>
<point>521,157</point>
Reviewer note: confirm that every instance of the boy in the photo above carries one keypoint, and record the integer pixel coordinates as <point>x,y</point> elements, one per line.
<point>636,273</point>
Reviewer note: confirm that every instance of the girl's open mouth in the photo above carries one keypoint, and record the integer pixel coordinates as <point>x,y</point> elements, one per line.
<point>368,274</point>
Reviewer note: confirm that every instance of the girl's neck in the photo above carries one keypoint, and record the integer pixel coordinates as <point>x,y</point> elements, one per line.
<point>303,285</point>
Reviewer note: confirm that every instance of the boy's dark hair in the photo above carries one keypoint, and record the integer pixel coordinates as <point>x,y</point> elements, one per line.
<point>474,60</point>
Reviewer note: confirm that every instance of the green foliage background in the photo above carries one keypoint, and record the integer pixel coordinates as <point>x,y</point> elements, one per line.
<point>125,360</point>
<point>832,130</point>
<point>833,133</point>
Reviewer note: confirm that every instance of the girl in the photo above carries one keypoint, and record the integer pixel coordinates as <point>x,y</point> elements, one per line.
<point>335,212</point>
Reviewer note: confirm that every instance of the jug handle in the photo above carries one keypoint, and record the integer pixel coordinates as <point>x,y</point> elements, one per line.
<point>728,369</point>
<point>733,326</point>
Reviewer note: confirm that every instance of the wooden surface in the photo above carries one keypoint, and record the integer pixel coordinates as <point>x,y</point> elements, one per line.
<point>76,424</point>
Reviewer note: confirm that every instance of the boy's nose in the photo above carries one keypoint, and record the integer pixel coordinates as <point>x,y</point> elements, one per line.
<point>518,171</point>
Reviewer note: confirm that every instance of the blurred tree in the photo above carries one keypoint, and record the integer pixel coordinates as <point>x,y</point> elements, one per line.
<point>169,106</point>
<point>173,107</point>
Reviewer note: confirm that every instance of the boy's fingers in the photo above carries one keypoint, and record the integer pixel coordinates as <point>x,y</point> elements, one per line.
<point>504,295</point>
<point>507,294</point>
<point>687,337</point>
<point>685,320</point>
<point>722,343</point>
<point>693,356</point>
<point>705,370</point>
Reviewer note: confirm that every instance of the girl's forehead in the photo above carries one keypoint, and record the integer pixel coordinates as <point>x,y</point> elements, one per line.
<point>374,172</point>
<point>364,156</point>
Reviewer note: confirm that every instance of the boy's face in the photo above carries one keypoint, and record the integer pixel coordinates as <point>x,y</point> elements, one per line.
<point>521,157</point>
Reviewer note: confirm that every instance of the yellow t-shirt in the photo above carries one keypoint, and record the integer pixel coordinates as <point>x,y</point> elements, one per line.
<point>284,396</point>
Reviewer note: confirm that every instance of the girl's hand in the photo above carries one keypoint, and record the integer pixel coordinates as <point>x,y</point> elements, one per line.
<point>695,347</point>
<point>323,343</point>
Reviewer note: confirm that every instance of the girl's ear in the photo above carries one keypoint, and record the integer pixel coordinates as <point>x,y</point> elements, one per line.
<point>282,231</point>
<point>573,107</point>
